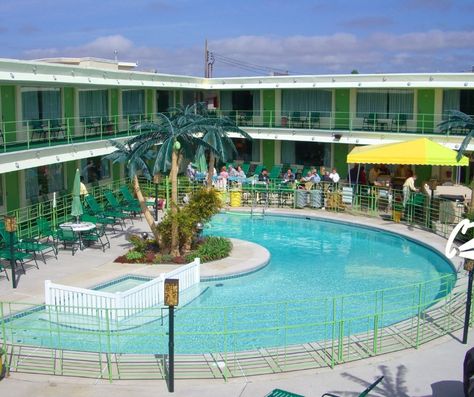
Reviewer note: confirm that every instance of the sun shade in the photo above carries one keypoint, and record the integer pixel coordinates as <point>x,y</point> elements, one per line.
<point>417,152</point>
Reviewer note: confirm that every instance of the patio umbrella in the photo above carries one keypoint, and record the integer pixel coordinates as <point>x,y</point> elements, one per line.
<point>76,208</point>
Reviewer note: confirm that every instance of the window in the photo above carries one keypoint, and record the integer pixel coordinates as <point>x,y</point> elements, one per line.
<point>307,101</point>
<point>240,100</point>
<point>41,103</point>
<point>386,104</point>
<point>95,169</point>
<point>247,150</point>
<point>164,100</point>
<point>190,97</point>
<point>133,102</point>
<point>93,103</point>
<point>462,100</point>
<point>44,180</point>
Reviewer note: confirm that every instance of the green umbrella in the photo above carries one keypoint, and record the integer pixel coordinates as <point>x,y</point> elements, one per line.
<point>76,208</point>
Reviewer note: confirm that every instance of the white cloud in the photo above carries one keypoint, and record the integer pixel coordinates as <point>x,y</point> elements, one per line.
<point>380,52</point>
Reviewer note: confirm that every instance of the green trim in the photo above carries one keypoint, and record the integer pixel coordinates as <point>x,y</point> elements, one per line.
<point>268,108</point>
<point>8,95</point>
<point>342,119</point>
<point>268,150</point>
<point>340,158</point>
<point>69,102</point>
<point>426,108</point>
<point>12,186</point>
<point>149,101</point>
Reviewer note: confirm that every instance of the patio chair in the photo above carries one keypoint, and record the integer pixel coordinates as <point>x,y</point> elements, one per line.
<point>245,168</point>
<point>399,122</point>
<point>124,207</point>
<point>68,236</point>
<point>127,197</point>
<point>97,210</point>
<point>22,249</point>
<point>96,235</point>
<point>370,122</point>
<point>56,128</point>
<point>282,393</point>
<point>364,393</point>
<point>275,172</point>
<point>37,128</point>
<point>314,120</point>
<point>46,231</point>
<point>37,247</point>
<point>100,220</point>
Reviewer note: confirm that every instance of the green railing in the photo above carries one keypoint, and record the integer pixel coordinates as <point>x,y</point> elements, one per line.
<point>31,134</point>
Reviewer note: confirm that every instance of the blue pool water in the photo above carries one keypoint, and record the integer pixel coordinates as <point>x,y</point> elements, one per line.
<point>319,271</point>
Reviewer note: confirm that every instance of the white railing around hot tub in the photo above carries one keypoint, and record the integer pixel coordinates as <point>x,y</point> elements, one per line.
<point>87,302</point>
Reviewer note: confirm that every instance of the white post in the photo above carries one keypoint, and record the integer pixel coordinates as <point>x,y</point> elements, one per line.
<point>47,292</point>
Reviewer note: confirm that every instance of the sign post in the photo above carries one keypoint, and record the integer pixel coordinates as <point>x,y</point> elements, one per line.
<point>171,300</point>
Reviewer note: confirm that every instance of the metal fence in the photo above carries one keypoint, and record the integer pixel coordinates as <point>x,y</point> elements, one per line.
<point>277,337</point>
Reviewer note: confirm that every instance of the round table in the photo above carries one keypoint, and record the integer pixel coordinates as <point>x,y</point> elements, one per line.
<point>79,228</point>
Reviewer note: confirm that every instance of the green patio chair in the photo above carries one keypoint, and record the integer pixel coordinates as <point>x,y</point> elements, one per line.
<point>127,197</point>
<point>22,249</point>
<point>258,169</point>
<point>19,256</point>
<point>96,235</point>
<point>46,231</point>
<point>370,122</point>
<point>97,210</point>
<point>245,168</point>
<point>275,172</point>
<point>67,236</point>
<point>399,122</point>
<point>100,220</point>
<point>114,205</point>
<point>363,394</point>
<point>282,393</point>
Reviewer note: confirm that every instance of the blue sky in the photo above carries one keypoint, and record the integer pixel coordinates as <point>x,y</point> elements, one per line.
<point>303,37</point>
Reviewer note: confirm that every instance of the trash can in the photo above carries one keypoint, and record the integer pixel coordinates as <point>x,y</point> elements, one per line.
<point>316,198</point>
<point>222,194</point>
<point>236,198</point>
<point>301,198</point>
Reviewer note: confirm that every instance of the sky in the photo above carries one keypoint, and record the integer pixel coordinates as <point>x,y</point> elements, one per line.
<point>247,38</point>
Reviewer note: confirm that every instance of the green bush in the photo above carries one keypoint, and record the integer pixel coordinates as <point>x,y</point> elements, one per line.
<point>134,256</point>
<point>211,249</point>
<point>139,244</point>
<point>203,204</point>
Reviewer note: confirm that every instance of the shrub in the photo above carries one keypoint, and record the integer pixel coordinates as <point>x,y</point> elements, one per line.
<point>211,249</point>
<point>139,244</point>
<point>134,256</point>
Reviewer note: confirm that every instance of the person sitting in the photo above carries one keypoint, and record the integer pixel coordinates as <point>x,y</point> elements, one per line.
<point>334,176</point>
<point>263,177</point>
<point>288,177</point>
<point>191,172</point>
<point>325,177</point>
<point>222,178</point>
<point>232,171</point>
<point>239,172</point>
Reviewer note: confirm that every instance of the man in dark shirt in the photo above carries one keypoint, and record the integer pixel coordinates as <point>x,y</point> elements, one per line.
<point>263,177</point>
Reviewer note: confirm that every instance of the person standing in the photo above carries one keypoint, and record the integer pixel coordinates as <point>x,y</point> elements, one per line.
<point>334,176</point>
<point>409,187</point>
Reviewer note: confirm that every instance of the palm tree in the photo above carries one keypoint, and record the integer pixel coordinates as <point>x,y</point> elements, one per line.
<point>457,119</point>
<point>175,138</point>
<point>216,135</point>
<point>122,154</point>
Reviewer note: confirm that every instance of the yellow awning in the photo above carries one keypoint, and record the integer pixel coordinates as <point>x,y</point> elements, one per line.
<point>416,152</point>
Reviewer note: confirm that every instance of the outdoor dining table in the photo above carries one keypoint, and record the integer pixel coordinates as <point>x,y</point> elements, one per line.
<point>79,228</point>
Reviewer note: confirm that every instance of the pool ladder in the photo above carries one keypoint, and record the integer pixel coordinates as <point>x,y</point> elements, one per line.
<point>255,205</point>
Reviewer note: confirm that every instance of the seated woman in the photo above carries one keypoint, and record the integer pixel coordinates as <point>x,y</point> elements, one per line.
<point>222,178</point>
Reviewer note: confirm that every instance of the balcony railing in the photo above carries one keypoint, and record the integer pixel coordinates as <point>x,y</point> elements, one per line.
<point>32,134</point>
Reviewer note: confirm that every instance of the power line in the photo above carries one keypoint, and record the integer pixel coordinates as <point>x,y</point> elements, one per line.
<point>247,65</point>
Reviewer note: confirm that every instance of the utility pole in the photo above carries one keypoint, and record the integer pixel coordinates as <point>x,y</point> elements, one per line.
<point>208,62</point>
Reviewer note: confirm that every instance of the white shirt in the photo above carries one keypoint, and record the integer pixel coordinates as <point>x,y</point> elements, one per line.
<point>334,176</point>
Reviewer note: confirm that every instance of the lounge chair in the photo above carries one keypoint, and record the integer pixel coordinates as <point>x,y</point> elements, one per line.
<point>127,197</point>
<point>363,394</point>
<point>96,235</point>
<point>282,393</point>
<point>97,210</point>
<point>23,248</point>
<point>116,206</point>
<point>67,235</point>
<point>275,172</point>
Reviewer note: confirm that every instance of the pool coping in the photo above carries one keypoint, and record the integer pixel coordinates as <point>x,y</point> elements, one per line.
<point>246,258</point>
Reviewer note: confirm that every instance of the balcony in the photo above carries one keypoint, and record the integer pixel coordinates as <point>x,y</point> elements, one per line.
<point>37,134</point>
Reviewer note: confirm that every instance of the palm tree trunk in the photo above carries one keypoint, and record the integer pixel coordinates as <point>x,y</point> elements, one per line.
<point>210,169</point>
<point>174,203</point>
<point>146,212</point>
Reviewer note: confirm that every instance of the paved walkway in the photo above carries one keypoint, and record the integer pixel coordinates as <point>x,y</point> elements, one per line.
<point>433,370</point>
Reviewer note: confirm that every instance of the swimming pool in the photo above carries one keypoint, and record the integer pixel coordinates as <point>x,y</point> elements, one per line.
<point>324,278</point>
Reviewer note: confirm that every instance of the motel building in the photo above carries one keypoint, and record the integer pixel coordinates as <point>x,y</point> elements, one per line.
<point>60,114</point>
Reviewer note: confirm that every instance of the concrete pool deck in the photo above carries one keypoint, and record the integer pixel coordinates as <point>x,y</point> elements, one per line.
<point>434,369</point>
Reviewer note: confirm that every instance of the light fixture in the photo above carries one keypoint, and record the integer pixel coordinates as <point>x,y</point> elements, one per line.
<point>10,223</point>
<point>384,78</point>
<point>408,84</point>
<point>73,73</point>
<point>359,84</point>
<point>465,84</point>
<point>333,80</point>
<point>171,292</point>
<point>17,165</point>
<point>57,158</point>
<point>34,69</point>
<point>12,75</point>
<point>337,137</point>
<point>314,84</point>
<point>431,78</point>
<point>54,78</point>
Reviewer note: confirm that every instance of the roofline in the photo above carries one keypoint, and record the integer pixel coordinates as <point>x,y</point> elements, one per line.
<point>37,73</point>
